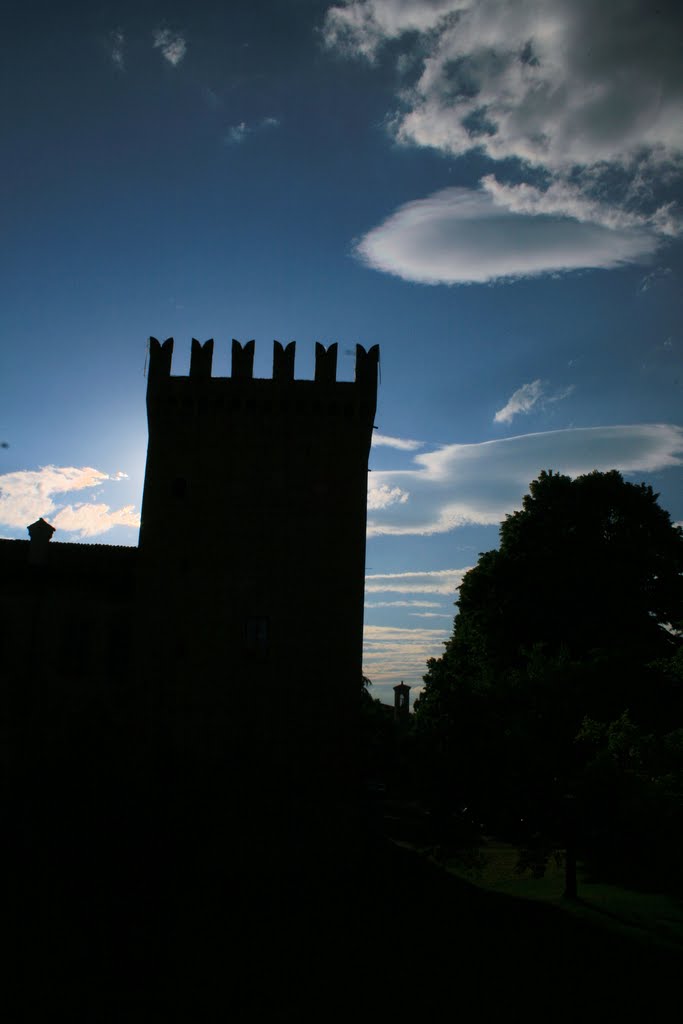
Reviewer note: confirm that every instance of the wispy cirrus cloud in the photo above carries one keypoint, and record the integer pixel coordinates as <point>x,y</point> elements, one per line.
<point>521,400</point>
<point>649,280</point>
<point>173,45</point>
<point>117,54</point>
<point>461,484</point>
<point>391,654</point>
<point>432,581</point>
<point>431,615</point>
<point>527,397</point>
<point>402,444</point>
<point>238,133</point>
<point>583,103</point>
<point>27,495</point>
<point>402,604</point>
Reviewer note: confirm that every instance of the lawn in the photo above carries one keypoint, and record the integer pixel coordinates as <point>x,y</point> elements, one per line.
<point>647,915</point>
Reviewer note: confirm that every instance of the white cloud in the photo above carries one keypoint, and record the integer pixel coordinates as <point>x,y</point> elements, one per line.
<point>462,484</point>
<point>172,45</point>
<point>431,615</point>
<point>561,199</point>
<point>360,28</point>
<point>586,97</point>
<point>89,520</point>
<point>649,280</point>
<point>383,496</point>
<point>237,133</point>
<point>403,444</point>
<point>433,581</point>
<point>555,83</point>
<point>117,48</point>
<point>524,399</point>
<point>521,400</point>
<point>402,604</point>
<point>392,654</point>
<point>28,495</point>
<point>463,236</point>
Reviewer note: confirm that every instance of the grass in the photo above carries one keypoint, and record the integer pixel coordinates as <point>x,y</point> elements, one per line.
<point>649,916</point>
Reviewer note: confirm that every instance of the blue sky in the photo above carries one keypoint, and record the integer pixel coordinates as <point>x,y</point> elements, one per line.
<point>490,191</point>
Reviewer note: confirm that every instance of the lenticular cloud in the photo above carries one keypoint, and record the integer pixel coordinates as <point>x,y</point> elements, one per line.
<point>462,236</point>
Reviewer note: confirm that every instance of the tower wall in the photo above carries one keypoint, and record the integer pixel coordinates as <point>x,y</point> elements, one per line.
<point>252,546</point>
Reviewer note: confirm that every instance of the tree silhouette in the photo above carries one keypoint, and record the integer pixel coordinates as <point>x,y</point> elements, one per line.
<point>572,618</point>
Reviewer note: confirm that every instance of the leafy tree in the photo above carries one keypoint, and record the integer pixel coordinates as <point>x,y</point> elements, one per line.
<point>574,617</point>
<point>632,793</point>
<point>375,735</point>
<point>587,564</point>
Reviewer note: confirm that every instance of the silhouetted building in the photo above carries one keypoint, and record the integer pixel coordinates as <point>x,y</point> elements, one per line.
<point>234,629</point>
<point>401,703</point>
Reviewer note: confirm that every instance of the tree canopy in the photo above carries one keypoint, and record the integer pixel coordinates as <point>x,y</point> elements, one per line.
<point>575,618</point>
<point>587,563</point>
<point>589,569</point>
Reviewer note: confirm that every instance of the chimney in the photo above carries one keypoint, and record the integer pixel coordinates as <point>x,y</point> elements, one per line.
<point>40,533</point>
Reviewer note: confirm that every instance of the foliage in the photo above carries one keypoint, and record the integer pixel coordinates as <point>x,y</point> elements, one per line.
<point>571,621</point>
<point>632,793</point>
<point>587,564</point>
<point>375,735</point>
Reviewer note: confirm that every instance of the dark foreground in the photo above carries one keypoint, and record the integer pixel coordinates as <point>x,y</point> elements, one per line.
<point>170,918</point>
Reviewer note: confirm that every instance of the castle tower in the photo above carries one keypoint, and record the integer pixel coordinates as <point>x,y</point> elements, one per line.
<point>252,548</point>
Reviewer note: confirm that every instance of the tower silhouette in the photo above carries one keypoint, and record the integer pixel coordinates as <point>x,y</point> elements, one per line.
<point>252,552</point>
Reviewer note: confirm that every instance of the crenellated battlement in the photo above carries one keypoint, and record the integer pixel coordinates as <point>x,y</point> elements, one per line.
<point>254,449</point>
<point>161,355</point>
